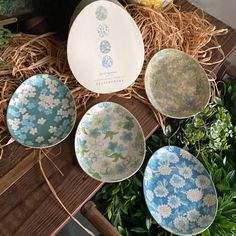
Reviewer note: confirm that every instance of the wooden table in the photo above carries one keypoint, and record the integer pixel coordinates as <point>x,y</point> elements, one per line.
<point>27,206</point>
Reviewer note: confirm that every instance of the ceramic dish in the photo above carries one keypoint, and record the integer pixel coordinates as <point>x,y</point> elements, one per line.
<point>109,143</point>
<point>83,4</point>
<point>179,192</point>
<point>176,85</point>
<point>41,112</point>
<point>105,54</point>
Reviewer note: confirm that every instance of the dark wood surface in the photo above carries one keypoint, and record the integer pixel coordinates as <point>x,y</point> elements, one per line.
<point>27,206</point>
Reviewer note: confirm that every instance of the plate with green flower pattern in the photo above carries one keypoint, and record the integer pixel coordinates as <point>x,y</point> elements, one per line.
<point>179,192</point>
<point>109,143</point>
<point>176,85</point>
<point>41,112</point>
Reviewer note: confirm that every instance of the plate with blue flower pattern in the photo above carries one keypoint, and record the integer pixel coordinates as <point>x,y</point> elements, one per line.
<point>41,112</point>
<point>109,143</point>
<point>176,84</point>
<point>179,192</point>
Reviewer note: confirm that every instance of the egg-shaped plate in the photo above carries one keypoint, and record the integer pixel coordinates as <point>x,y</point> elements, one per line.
<point>109,143</point>
<point>176,84</point>
<point>41,112</point>
<point>179,192</point>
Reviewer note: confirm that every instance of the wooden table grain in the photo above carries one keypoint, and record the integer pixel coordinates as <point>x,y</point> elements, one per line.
<point>27,206</point>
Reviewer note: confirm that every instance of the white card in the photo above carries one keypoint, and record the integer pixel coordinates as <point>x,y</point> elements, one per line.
<point>105,48</point>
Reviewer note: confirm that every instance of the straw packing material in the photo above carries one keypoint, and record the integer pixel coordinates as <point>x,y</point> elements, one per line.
<point>29,54</point>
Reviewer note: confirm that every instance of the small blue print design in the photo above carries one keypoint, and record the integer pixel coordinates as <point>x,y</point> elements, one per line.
<point>101,13</point>
<point>107,61</point>
<point>105,47</point>
<point>103,30</point>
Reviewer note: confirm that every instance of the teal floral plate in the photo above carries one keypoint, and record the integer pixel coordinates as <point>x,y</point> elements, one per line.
<point>41,112</point>
<point>179,192</point>
<point>176,85</point>
<point>109,143</point>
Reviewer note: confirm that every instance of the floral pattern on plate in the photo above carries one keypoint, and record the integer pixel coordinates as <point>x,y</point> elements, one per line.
<point>41,112</point>
<point>176,85</point>
<point>179,192</point>
<point>109,143</point>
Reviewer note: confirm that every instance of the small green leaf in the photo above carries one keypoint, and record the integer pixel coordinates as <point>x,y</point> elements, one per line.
<point>148,223</point>
<point>217,175</point>
<point>121,229</point>
<point>230,176</point>
<point>139,230</point>
<point>115,191</point>
<point>137,181</point>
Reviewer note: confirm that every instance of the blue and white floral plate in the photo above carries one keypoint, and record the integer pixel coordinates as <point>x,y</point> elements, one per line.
<point>176,85</point>
<point>41,112</point>
<point>179,192</point>
<point>109,143</point>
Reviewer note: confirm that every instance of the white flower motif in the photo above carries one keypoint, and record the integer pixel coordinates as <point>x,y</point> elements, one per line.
<point>14,123</point>
<point>186,155</point>
<point>161,191</point>
<point>181,223</point>
<point>39,139</point>
<point>150,195</point>
<point>48,101</point>
<point>193,215</point>
<point>52,84</point>
<point>186,172</point>
<point>174,201</point>
<point>167,156</point>
<point>204,221</point>
<point>22,99</point>
<point>41,121</point>
<point>148,174</point>
<point>33,131</point>
<point>164,170</point>
<point>65,103</point>
<point>209,200</point>
<point>194,195</point>
<point>63,113</point>
<point>52,129</point>
<point>22,110</point>
<point>173,157</point>
<point>164,210</point>
<point>27,90</point>
<point>202,181</point>
<point>52,139</point>
<point>197,230</point>
<point>199,168</point>
<point>177,181</point>
<point>46,77</point>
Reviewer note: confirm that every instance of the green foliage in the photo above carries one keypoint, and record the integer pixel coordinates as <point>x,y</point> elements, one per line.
<point>5,35</point>
<point>9,8</point>
<point>230,96</point>
<point>210,136</point>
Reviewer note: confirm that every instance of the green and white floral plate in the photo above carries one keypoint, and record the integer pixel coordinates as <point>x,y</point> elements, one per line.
<point>41,112</point>
<point>176,85</point>
<point>109,143</point>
